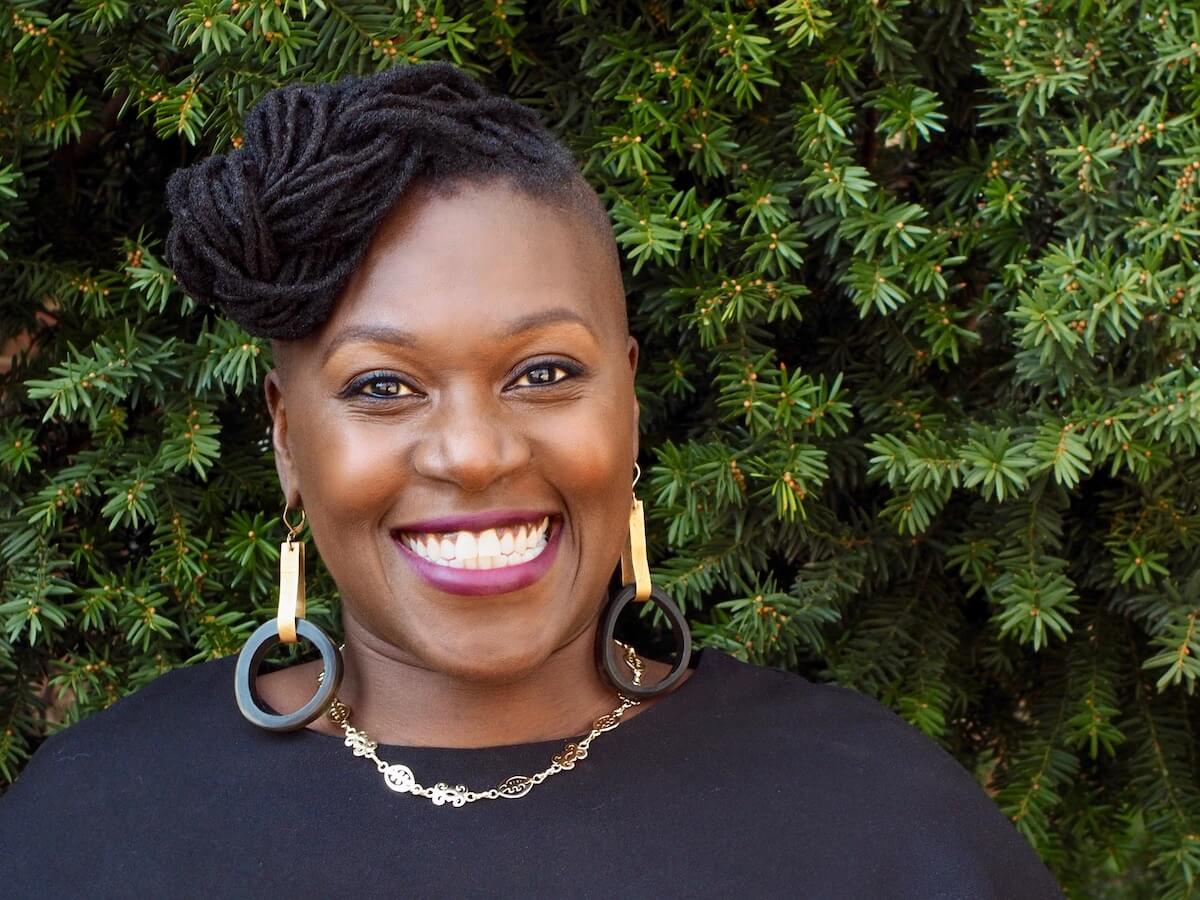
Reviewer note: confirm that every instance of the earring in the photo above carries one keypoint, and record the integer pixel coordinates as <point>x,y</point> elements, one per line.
<point>291,580</point>
<point>287,627</point>
<point>635,581</point>
<point>635,567</point>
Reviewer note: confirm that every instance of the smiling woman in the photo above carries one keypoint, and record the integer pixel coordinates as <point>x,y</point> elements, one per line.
<point>451,395</point>
<point>454,414</point>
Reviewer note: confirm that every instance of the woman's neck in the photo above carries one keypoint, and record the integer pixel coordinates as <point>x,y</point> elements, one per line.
<point>400,703</point>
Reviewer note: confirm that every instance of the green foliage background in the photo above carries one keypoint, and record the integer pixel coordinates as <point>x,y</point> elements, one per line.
<point>918,304</point>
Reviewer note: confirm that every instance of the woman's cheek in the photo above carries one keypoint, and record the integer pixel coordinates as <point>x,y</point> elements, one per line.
<point>351,470</point>
<point>586,455</point>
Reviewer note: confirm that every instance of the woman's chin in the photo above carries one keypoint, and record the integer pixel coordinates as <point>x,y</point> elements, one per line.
<point>488,662</point>
<point>511,642</point>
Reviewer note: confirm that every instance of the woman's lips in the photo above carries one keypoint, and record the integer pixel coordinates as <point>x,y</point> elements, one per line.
<point>480,582</point>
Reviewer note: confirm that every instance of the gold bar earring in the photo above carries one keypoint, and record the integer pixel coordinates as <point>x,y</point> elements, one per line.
<point>291,580</point>
<point>635,565</point>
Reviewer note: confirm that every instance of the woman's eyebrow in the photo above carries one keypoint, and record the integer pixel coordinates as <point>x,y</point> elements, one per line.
<point>544,317</point>
<point>369,334</point>
<point>387,334</point>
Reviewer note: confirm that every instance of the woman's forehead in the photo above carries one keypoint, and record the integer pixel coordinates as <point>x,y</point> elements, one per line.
<point>481,255</point>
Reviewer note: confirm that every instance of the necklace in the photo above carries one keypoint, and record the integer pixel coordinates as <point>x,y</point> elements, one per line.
<point>400,778</point>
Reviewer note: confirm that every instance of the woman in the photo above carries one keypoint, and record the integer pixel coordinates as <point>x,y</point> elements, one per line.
<point>454,419</point>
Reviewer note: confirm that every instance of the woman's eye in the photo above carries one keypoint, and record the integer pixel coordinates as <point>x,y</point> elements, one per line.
<point>546,373</point>
<point>380,386</point>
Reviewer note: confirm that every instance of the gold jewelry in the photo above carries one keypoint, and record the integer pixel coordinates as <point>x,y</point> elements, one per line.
<point>288,626</point>
<point>635,566</point>
<point>291,580</point>
<point>635,584</point>
<point>400,778</point>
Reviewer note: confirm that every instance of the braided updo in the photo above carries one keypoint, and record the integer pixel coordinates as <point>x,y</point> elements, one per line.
<point>271,232</point>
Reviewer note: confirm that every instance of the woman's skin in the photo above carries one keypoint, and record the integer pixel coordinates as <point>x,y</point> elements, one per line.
<point>456,422</point>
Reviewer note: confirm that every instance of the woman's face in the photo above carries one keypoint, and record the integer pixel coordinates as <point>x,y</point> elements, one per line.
<point>477,372</point>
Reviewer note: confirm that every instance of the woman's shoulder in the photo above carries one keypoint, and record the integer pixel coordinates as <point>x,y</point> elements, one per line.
<point>178,711</point>
<point>804,722</point>
<point>112,781</point>
<point>871,780</point>
<point>789,701</point>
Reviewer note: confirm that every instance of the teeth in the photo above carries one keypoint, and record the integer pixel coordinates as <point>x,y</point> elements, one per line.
<point>490,549</point>
<point>466,547</point>
<point>489,543</point>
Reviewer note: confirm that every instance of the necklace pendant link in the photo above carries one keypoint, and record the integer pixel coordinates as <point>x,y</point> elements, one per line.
<point>516,786</point>
<point>442,793</point>
<point>570,755</point>
<point>606,722</point>
<point>359,742</point>
<point>399,778</point>
<point>339,712</point>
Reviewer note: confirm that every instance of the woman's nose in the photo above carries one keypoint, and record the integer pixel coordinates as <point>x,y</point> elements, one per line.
<point>471,443</point>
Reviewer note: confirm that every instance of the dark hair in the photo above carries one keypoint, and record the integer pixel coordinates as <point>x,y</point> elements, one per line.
<point>270,232</point>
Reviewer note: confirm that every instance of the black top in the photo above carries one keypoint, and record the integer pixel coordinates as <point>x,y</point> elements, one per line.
<point>746,781</point>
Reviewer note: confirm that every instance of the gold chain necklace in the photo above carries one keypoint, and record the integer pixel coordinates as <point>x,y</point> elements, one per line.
<point>401,780</point>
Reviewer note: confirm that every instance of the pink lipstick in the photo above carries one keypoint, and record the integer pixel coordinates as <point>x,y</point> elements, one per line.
<point>503,579</point>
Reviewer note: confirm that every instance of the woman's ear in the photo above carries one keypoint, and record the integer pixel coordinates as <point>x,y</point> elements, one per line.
<point>284,463</point>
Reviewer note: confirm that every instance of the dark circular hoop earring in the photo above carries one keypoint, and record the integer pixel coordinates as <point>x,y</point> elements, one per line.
<point>610,666</point>
<point>255,651</point>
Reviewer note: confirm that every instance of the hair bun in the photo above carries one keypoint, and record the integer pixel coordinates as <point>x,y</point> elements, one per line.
<point>270,232</point>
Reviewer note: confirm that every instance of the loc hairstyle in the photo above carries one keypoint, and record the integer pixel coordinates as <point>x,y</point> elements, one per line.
<point>271,232</point>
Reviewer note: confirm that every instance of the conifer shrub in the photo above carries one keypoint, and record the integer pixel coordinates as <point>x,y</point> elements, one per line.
<point>916,291</point>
